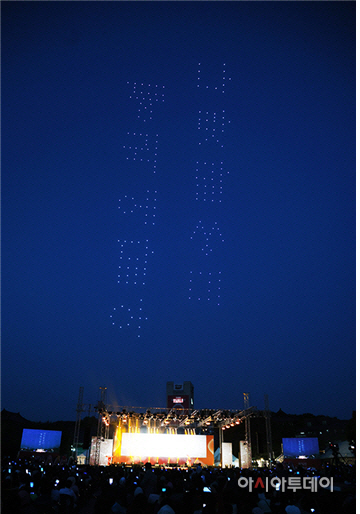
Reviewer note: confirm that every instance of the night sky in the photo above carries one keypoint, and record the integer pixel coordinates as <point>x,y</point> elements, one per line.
<point>178,203</point>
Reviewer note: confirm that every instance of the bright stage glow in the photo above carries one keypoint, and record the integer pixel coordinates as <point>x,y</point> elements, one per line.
<point>163,445</point>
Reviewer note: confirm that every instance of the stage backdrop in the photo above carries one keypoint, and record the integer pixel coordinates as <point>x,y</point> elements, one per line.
<point>163,448</point>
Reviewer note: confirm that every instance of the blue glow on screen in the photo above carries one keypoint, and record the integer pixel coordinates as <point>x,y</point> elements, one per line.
<point>295,446</point>
<point>40,439</point>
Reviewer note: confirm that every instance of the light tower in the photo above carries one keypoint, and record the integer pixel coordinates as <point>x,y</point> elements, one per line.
<point>268,428</point>
<point>247,431</point>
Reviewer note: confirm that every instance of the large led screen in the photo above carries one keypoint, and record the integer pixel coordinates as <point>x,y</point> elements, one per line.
<point>40,439</point>
<point>130,448</point>
<point>164,445</point>
<point>296,446</point>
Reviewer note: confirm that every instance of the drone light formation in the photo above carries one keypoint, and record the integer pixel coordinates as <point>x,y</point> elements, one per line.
<point>204,283</point>
<point>140,146</point>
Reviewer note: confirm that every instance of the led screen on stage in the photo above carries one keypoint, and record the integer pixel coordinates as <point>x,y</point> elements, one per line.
<point>164,445</point>
<point>295,446</point>
<point>40,439</point>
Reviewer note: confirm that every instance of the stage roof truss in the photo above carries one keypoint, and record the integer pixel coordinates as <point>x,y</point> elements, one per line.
<point>171,418</point>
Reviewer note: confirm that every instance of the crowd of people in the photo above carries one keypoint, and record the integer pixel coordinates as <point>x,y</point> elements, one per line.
<point>33,487</point>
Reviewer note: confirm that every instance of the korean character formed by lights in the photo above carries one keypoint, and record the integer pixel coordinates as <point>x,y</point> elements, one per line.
<point>144,208</point>
<point>204,283</point>
<point>211,125</point>
<point>209,180</point>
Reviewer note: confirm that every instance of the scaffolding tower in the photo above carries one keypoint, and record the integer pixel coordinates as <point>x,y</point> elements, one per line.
<point>103,428</point>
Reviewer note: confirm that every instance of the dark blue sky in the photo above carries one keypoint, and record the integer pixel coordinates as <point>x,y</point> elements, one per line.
<point>178,203</point>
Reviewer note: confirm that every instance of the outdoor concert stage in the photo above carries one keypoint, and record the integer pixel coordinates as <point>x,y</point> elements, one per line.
<point>161,449</point>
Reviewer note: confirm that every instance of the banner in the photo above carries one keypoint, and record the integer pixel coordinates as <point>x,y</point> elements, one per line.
<point>226,454</point>
<point>106,452</point>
